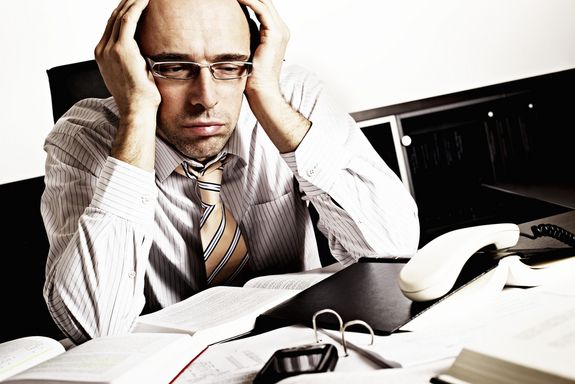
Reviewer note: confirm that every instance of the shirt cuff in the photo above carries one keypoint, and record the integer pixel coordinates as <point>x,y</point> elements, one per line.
<point>126,191</point>
<point>317,161</point>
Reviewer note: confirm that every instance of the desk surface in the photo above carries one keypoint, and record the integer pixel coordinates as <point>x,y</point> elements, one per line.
<point>564,220</point>
<point>556,193</point>
<point>260,345</point>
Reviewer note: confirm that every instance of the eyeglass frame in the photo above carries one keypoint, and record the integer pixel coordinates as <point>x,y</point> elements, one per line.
<point>151,63</point>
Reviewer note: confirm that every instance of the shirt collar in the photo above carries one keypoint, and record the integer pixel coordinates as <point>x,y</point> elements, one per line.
<point>167,158</point>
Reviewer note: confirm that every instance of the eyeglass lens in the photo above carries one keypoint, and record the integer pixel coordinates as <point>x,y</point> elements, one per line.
<point>189,70</point>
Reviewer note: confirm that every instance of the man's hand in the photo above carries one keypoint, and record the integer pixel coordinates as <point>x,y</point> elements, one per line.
<point>128,80</point>
<point>285,126</point>
<point>269,55</point>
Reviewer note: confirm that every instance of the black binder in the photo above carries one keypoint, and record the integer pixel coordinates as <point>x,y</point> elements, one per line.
<point>367,290</point>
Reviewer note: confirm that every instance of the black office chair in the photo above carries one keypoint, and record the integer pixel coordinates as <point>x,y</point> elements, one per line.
<point>24,252</point>
<point>25,244</point>
<point>73,82</point>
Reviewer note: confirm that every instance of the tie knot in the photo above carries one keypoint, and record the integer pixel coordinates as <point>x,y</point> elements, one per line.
<point>212,171</point>
<point>209,178</point>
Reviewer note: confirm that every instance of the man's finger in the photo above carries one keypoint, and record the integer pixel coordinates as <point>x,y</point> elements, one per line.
<point>273,11</point>
<point>261,10</point>
<point>130,19</point>
<point>109,27</point>
<point>118,21</point>
<point>269,18</point>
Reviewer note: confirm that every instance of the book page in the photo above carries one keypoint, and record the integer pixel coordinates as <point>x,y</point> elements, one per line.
<point>542,337</point>
<point>299,281</point>
<point>444,341</point>
<point>118,359</point>
<point>23,353</point>
<point>419,374</point>
<point>407,349</point>
<point>224,311</point>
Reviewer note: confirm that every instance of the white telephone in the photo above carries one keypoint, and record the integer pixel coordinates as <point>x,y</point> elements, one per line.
<point>432,272</point>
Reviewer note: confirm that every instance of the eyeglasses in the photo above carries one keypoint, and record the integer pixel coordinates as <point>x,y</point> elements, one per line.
<point>185,70</point>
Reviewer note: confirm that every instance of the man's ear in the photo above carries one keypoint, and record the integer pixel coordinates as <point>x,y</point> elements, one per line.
<point>254,30</point>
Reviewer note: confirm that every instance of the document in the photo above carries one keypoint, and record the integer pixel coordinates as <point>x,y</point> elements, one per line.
<point>535,347</point>
<point>238,361</point>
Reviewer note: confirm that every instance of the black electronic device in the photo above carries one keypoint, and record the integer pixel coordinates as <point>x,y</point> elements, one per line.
<point>286,362</point>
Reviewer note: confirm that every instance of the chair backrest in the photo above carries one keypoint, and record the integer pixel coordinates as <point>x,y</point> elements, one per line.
<point>24,252</point>
<point>73,82</point>
<point>25,244</point>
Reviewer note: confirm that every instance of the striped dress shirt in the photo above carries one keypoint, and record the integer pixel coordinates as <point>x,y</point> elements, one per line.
<point>124,240</point>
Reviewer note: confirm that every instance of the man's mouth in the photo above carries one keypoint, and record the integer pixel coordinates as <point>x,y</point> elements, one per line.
<point>204,128</point>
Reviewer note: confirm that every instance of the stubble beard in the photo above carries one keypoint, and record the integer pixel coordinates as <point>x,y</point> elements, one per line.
<point>197,148</point>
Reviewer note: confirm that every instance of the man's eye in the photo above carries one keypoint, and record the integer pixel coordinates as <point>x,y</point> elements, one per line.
<point>171,68</point>
<point>229,68</point>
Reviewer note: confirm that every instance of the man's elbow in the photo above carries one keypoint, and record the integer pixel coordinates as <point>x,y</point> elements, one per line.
<point>404,236</point>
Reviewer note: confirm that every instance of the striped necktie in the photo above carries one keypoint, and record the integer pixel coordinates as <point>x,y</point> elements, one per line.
<point>225,249</point>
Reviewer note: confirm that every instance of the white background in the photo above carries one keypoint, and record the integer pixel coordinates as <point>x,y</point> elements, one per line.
<point>371,53</point>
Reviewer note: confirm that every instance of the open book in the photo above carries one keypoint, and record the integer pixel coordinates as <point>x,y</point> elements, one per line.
<point>132,358</point>
<point>537,347</point>
<point>161,344</point>
<point>223,312</point>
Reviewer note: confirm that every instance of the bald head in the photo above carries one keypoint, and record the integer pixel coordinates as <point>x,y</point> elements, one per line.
<point>194,27</point>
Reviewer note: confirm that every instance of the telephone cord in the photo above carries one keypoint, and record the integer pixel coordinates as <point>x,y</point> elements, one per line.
<point>554,231</point>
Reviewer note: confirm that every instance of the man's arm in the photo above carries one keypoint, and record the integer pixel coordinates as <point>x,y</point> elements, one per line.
<point>126,76</point>
<point>284,125</point>
<point>99,209</point>
<point>363,206</point>
<point>99,215</point>
<point>364,209</point>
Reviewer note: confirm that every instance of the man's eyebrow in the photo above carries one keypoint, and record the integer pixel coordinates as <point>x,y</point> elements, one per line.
<point>183,57</point>
<point>168,57</point>
<point>231,57</point>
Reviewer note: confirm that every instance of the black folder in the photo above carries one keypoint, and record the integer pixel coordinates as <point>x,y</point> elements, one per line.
<point>367,290</point>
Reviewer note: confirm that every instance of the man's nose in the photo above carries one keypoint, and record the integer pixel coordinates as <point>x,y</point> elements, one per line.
<point>203,89</point>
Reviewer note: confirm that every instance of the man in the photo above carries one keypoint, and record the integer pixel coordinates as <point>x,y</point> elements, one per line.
<point>124,202</point>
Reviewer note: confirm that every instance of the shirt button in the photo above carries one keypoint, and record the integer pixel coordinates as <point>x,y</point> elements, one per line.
<point>311,171</point>
<point>145,199</point>
<point>131,274</point>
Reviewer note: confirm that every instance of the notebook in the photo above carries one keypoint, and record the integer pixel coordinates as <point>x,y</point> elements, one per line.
<point>367,290</point>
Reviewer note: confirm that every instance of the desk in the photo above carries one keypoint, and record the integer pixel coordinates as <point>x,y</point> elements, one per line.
<point>564,220</point>
<point>556,193</point>
<point>365,373</point>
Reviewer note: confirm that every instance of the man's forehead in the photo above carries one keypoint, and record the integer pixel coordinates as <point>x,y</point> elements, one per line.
<point>179,10</point>
<point>189,25</point>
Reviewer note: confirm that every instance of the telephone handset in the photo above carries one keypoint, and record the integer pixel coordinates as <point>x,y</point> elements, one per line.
<point>432,272</point>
